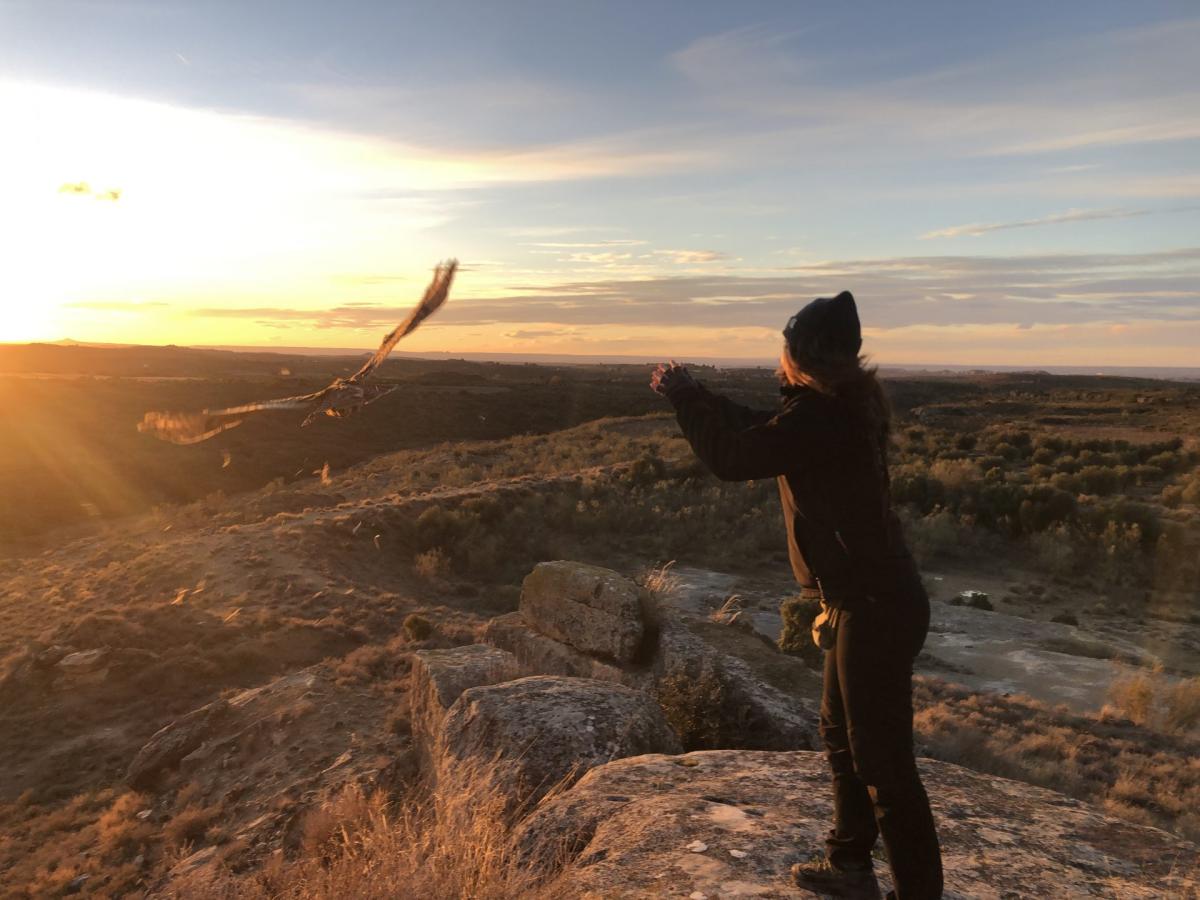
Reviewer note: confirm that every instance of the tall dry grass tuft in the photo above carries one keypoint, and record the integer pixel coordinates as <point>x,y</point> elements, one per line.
<point>443,846</point>
<point>660,581</point>
<point>1150,698</point>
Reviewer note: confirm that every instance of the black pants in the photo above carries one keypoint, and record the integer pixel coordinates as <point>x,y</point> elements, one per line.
<point>866,724</point>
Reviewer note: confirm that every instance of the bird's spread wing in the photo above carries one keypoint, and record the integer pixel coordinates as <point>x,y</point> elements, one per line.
<point>185,428</point>
<point>300,401</point>
<point>192,428</point>
<point>435,296</point>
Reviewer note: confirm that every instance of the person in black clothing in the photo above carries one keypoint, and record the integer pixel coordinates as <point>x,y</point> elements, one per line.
<point>827,446</point>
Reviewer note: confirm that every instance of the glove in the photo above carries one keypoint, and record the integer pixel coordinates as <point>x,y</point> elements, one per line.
<point>671,380</point>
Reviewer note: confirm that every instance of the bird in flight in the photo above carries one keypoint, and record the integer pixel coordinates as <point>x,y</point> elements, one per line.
<point>343,397</point>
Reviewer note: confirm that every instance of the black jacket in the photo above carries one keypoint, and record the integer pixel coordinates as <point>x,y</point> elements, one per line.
<point>843,537</point>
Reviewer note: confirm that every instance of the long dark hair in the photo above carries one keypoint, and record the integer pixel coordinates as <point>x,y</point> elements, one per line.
<point>852,379</point>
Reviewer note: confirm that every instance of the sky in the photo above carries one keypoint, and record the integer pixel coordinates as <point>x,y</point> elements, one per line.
<point>1008,184</point>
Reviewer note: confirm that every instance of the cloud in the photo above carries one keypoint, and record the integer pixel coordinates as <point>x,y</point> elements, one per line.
<point>689,257</point>
<point>789,93</point>
<point>597,258</point>
<point>529,334</point>
<point>893,293</point>
<point>569,244</point>
<point>1074,215</point>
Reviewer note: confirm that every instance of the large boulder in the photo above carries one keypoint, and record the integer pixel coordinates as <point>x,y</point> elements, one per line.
<point>538,654</point>
<point>521,738</point>
<point>592,609</point>
<point>730,823</point>
<point>440,676</point>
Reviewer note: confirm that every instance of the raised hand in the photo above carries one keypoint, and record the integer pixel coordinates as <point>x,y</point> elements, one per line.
<point>667,379</point>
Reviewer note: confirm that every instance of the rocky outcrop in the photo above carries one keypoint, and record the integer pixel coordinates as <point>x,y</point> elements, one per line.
<point>721,684</point>
<point>520,738</point>
<point>595,610</point>
<point>538,654</point>
<point>170,744</point>
<point>440,676</point>
<point>727,686</point>
<point>729,823</point>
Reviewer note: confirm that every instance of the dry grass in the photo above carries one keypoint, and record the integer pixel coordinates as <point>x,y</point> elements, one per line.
<point>1132,770</point>
<point>43,850</point>
<point>191,825</point>
<point>431,563</point>
<point>660,581</point>
<point>443,847</point>
<point>1150,698</point>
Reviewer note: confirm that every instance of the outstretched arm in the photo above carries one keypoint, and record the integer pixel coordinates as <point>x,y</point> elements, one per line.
<point>735,442</point>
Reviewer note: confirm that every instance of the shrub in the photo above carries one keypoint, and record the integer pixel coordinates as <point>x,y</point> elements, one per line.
<point>1099,480</point>
<point>1044,506</point>
<point>918,489</point>
<point>796,637</point>
<point>119,833</point>
<point>190,826</point>
<point>417,628</point>
<point>1151,698</point>
<point>1191,490</point>
<point>955,474</point>
<point>1055,550</point>
<point>1171,496</point>
<point>1181,705</point>
<point>1044,456</point>
<point>431,563</point>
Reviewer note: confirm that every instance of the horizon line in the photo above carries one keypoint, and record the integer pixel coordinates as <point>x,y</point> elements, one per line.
<point>500,356</point>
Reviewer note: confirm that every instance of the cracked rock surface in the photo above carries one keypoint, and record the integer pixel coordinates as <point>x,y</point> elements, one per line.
<point>729,823</point>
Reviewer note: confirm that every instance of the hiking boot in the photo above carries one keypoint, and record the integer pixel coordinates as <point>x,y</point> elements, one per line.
<point>822,878</point>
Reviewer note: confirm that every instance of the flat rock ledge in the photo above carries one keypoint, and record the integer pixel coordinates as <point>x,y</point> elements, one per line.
<point>729,823</point>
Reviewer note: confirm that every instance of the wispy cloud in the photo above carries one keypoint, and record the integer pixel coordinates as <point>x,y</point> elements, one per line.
<point>533,334</point>
<point>690,257</point>
<point>1074,215</point>
<point>1122,87</point>
<point>584,244</point>
<point>897,292</point>
<point>596,258</point>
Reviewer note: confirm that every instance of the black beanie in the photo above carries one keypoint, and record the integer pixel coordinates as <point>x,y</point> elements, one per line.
<point>827,328</point>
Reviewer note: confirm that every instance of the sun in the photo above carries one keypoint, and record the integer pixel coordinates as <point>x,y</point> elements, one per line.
<point>25,323</point>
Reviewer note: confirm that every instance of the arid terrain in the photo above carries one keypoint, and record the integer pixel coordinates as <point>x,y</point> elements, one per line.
<point>275,582</point>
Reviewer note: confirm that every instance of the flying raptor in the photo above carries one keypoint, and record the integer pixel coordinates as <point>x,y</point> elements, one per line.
<point>342,397</point>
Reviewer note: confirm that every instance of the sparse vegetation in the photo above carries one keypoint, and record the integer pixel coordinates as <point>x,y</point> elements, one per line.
<point>356,845</point>
<point>1153,699</point>
<point>248,572</point>
<point>418,628</point>
<point>796,637</point>
<point>1134,771</point>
